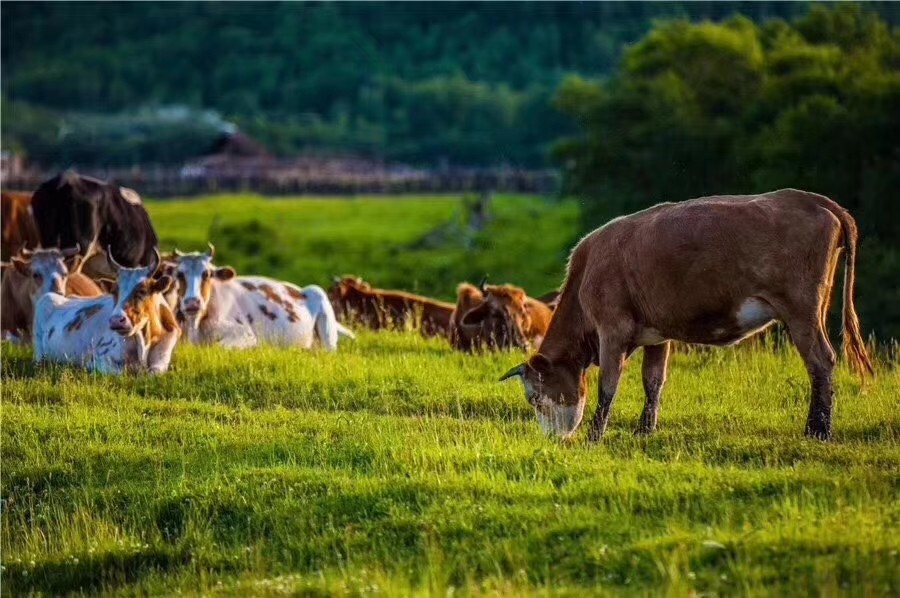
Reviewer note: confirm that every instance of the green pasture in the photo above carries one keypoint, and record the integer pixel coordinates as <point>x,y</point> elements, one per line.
<point>421,244</point>
<point>396,466</point>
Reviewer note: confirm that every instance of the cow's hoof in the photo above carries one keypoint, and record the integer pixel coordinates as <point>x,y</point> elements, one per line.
<point>818,433</point>
<point>595,435</point>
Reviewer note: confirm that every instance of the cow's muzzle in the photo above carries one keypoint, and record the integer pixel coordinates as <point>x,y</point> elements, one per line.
<point>121,325</point>
<point>191,307</point>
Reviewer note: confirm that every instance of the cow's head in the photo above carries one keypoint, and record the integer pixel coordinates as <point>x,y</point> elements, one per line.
<point>135,296</point>
<point>195,273</point>
<point>46,269</point>
<point>557,391</point>
<point>501,317</point>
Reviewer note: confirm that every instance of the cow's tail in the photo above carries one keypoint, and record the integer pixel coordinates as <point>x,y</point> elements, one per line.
<point>327,327</point>
<point>345,332</point>
<point>854,345</point>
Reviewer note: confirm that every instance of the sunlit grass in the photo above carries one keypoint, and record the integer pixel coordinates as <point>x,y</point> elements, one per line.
<point>416,243</point>
<point>398,465</point>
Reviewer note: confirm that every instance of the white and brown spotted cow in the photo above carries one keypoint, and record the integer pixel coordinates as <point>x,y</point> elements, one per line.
<point>219,307</point>
<point>133,330</point>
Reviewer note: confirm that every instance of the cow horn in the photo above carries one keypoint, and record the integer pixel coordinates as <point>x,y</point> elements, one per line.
<point>336,279</point>
<point>519,370</point>
<point>112,260</point>
<point>482,286</point>
<point>26,252</point>
<point>71,251</point>
<point>212,251</point>
<point>154,265</point>
<point>177,253</point>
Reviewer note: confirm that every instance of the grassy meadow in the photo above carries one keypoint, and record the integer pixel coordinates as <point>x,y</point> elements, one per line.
<point>397,466</point>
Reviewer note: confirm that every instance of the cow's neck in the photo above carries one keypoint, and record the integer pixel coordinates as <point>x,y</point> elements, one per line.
<point>570,337</point>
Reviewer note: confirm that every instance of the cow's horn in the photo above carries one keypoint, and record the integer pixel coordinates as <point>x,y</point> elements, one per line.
<point>336,279</point>
<point>154,265</point>
<point>112,260</point>
<point>26,252</point>
<point>482,286</point>
<point>519,370</point>
<point>71,251</point>
<point>177,253</point>
<point>212,251</point>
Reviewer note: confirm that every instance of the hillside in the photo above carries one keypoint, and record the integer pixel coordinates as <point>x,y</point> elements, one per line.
<point>468,83</point>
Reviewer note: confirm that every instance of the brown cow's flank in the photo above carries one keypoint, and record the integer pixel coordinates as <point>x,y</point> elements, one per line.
<point>379,308</point>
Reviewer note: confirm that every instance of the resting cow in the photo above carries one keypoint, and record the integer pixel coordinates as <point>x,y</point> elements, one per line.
<point>133,330</point>
<point>22,280</point>
<point>19,229</point>
<point>217,306</point>
<point>378,308</point>
<point>72,209</point>
<point>713,270</point>
<point>504,318</point>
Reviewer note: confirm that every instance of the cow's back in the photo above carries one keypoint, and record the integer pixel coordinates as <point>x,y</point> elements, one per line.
<point>72,209</point>
<point>685,263</point>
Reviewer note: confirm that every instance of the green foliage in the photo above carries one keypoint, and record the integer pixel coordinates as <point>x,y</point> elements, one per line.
<point>396,465</point>
<point>465,83</point>
<point>733,107</point>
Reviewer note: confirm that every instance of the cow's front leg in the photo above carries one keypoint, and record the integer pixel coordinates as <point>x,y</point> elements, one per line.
<point>160,354</point>
<point>612,362</point>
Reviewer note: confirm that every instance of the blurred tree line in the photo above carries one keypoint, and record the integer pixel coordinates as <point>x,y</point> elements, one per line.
<point>739,107</point>
<point>461,83</point>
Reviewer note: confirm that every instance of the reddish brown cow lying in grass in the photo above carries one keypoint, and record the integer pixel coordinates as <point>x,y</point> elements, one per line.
<point>712,270</point>
<point>374,308</point>
<point>21,282</point>
<point>498,317</point>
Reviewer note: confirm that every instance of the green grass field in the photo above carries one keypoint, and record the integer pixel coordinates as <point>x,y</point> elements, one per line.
<point>400,467</point>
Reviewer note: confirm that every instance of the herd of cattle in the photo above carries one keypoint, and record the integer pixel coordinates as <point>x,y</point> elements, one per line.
<point>86,284</point>
<point>102,297</point>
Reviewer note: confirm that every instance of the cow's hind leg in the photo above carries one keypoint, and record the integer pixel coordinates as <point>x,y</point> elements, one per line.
<point>656,359</point>
<point>812,342</point>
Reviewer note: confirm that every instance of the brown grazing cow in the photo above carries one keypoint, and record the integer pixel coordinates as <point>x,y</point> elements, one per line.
<point>19,228</point>
<point>504,318</point>
<point>712,270</point>
<point>20,282</point>
<point>374,308</point>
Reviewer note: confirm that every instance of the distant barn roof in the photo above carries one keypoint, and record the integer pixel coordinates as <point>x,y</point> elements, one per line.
<point>238,145</point>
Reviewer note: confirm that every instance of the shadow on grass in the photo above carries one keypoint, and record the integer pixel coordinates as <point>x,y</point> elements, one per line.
<point>90,573</point>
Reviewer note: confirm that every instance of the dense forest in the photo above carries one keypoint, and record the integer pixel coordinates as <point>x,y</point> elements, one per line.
<point>738,107</point>
<point>458,83</point>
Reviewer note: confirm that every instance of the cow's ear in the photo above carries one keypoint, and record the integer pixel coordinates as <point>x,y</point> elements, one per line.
<point>225,273</point>
<point>476,315</point>
<point>21,266</point>
<point>161,284</point>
